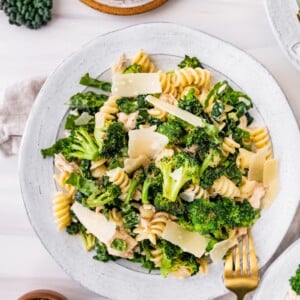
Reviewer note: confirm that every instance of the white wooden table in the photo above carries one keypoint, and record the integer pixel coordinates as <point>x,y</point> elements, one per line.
<point>24,263</point>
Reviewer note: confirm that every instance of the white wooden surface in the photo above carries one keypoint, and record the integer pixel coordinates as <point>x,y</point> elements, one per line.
<point>24,263</point>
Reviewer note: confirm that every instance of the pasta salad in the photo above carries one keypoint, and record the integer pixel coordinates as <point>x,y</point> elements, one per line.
<point>161,167</point>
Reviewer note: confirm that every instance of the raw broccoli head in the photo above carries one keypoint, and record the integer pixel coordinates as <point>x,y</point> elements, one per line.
<point>177,171</point>
<point>152,184</point>
<point>192,62</point>
<point>31,13</point>
<point>172,130</point>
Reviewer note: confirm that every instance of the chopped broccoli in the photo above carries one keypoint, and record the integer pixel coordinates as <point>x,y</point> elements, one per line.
<point>137,178</point>
<point>102,253</point>
<point>130,217</point>
<point>103,196</point>
<point>295,281</point>
<point>231,170</point>
<point>216,217</point>
<point>73,228</point>
<point>174,208</point>
<point>182,166</point>
<point>31,13</point>
<point>60,146</point>
<point>172,130</point>
<point>84,168</point>
<point>135,68</point>
<point>88,240</point>
<point>119,244</point>
<point>115,139</point>
<point>191,104</point>
<point>152,184</point>
<point>95,83</point>
<point>192,62</point>
<point>210,175</point>
<point>127,105</point>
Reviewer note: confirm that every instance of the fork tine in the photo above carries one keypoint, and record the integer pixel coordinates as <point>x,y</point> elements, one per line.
<point>237,260</point>
<point>252,255</point>
<point>228,265</point>
<point>245,255</point>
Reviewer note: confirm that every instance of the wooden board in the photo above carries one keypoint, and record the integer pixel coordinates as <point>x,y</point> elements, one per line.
<point>119,9</point>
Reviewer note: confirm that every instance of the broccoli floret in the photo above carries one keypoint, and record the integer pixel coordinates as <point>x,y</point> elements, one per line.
<point>60,146</point>
<point>152,184</point>
<point>191,104</point>
<point>130,217</point>
<point>189,261</point>
<point>31,13</point>
<point>137,178</point>
<point>172,130</point>
<point>115,139</point>
<point>104,196</point>
<point>175,208</point>
<point>95,83</point>
<point>231,170</point>
<point>185,169</point>
<point>215,218</point>
<point>127,105</point>
<point>210,175</point>
<point>82,145</point>
<point>145,259</point>
<point>73,228</point>
<point>295,281</point>
<point>102,253</point>
<point>88,240</point>
<point>192,62</point>
<point>135,68</point>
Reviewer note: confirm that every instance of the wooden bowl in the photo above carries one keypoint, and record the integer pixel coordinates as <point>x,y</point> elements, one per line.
<point>42,294</point>
<point>124,11</point>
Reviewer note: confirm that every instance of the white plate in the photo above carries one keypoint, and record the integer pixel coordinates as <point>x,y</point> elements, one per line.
<point>275,283</point>
<point>286,27</point>
<point>168,43</point>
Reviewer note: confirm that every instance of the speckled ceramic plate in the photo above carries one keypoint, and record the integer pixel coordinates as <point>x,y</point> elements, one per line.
<point>286,27</point>
<point>275,283</point>
<point>167,44</point>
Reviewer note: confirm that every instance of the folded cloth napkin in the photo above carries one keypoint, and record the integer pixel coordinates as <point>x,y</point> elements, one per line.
<point>14,112</point>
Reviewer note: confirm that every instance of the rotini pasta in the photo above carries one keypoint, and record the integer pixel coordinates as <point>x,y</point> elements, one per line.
<point>229,146</point>
<point>244,158</point>
<point>61,179</point>
<point>61,209</point>
<point>143,59</point>
<point>120,178</point>
<point>167,81</point>
<point>260,138</point>
<point>156,256</point>
<point>247,188</point>
<point>196,192</point>
<point>115,216</point>
<point>109,108</point>
<point>225,187</point>
<point>158,113</point>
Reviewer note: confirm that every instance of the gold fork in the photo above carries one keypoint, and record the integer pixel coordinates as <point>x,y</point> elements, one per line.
<point>241,274</point>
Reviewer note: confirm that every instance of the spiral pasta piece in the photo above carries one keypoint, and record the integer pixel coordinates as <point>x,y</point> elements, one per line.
<point>203,266</point>
<point>141,58</point>
<point>158,223</point>
<point>109,108</point>
<point>229,146</point>
<point>61,179</point>
<point>147,211</point>
<point>197,191</point>
<point>158,113</point>
<point>115,216</point>
<point>167,81</point>
<point>156,256</point>
<point>198,77</point>
<point>260,138</point>
<point>120,178</point>
<point>61,209</point>
<point>226,188</point>
<point>98,168</point>
<point>247,188</point>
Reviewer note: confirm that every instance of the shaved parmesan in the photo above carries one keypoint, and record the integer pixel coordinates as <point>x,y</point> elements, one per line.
<point>188,196</point>
<point>83,119</point>
<point>134,84</point>
<point>256,165</point>
<point>270,181</point>
<point>188,241</point>
<point>220,249</point>
<point>177,174</point>
<point>145,142</point>
<point>175,111</point>
<point>131,164</point>
<point>95,223</point>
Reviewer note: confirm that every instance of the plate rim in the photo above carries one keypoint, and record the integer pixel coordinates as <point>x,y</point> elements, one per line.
<point>35,107</point>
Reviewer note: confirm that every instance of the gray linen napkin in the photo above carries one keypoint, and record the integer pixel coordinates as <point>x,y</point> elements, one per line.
<point>14,112</point>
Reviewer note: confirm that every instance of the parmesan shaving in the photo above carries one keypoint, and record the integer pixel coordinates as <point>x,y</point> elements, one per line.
<point>256,165</point>
<point>175,111</point>
<point>145,142</point>
<point>134,84</point>
<point>188,241</point>
<point>131,164</point>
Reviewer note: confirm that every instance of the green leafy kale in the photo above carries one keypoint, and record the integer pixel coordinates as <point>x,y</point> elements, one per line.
<point>95,83</point>
<point>192,62</point>
<point>87,101</point>
<point>60,146</point>
<point>83,185</point>
<point>127,105</point>
<point>191,103</point>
